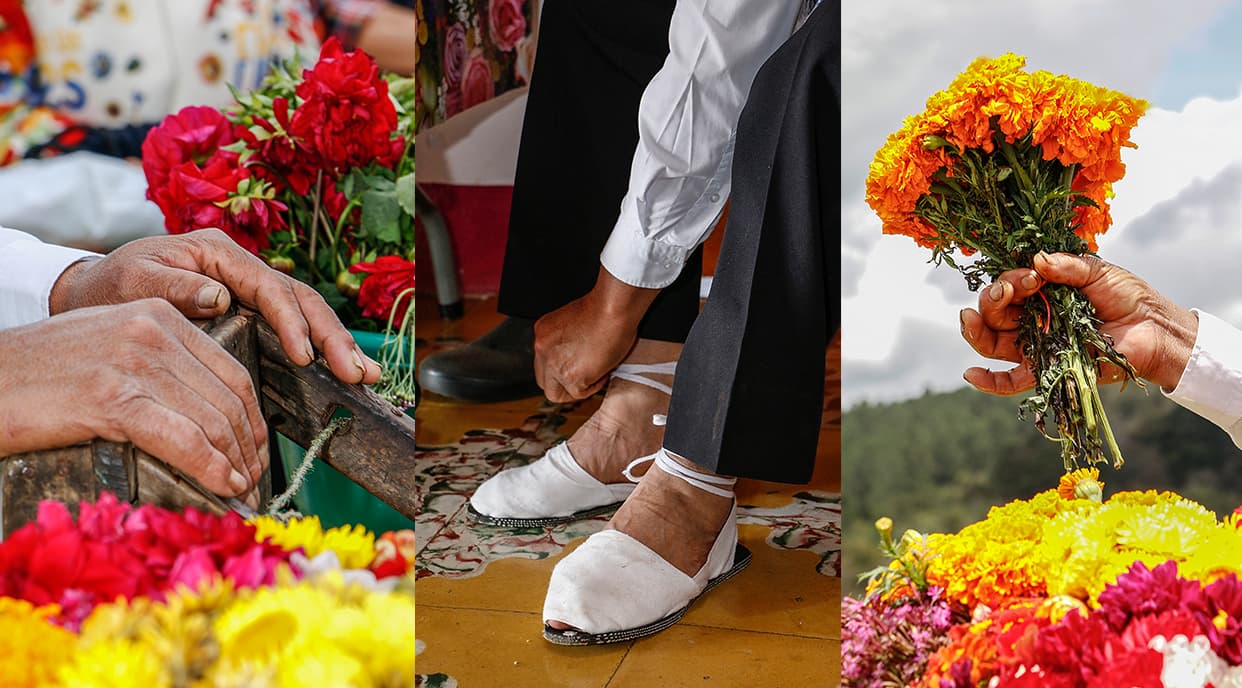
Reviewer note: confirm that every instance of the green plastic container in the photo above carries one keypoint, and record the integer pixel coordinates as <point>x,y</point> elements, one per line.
<point>328,494</point>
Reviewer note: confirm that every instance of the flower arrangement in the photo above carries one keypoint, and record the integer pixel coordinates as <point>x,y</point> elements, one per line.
<point>1007,163</point>
<point>1065,590</point>
<point>313,171</point>
<point>125,596</point>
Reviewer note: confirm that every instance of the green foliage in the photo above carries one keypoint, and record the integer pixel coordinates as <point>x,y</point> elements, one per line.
<point>939,462</point>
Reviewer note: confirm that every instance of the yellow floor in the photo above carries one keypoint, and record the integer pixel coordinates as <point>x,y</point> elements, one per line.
<point>480,590</point>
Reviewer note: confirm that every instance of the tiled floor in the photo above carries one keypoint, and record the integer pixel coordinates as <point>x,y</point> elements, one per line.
<point>480,589</point>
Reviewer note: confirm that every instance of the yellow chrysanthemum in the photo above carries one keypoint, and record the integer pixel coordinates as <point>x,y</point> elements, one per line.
<point>115,664</point>
<point>354,545</point>
<point>34,649</point>
<point>285,625</point>
<point>176,631</point>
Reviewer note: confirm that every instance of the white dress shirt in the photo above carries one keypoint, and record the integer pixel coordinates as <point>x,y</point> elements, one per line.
<point>1211,384</point>
<point>29,269</point>
<point>680,176</point>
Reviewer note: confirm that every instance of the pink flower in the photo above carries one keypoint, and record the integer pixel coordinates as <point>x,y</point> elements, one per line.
<point>477,85</point>
<point>455,55</point>
<point>507,22</point>
<point>192,567</point>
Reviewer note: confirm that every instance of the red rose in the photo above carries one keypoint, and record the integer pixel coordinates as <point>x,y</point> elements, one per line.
<point>193,134</point>
<point>477,85</point>
<point>346,118</point>
<point>507,22</point>
<point>387,278</point>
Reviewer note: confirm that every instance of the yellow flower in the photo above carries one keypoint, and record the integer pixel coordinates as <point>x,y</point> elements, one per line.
<point>354,545</point>
<point>327,627</point>
<point>33,648</point>
<point>884,526</point>
<point>115,664</point>
<point>1083,483</point>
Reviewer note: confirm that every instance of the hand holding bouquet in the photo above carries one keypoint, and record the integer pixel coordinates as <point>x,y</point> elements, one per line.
<point>1006,164</point>
<point>314,172</point>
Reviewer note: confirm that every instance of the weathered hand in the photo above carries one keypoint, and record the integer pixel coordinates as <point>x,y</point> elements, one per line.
<point>577,345</point>
<point>138,372</point>
<point>1155,334</point>
<point>195,272</point>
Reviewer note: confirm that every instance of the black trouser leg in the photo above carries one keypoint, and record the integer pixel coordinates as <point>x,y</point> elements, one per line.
<point>581,126</point>
<point>749,388</point>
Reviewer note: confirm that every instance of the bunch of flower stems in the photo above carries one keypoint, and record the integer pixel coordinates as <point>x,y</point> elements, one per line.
<point>1007,206</point>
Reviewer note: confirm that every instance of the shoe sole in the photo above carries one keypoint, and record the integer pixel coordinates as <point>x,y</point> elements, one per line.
<point>510,522</point>
<point>477,390</point>
<point>741,559</point>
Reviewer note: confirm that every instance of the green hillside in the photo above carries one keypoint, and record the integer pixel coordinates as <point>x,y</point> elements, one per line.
<point>938,462</point>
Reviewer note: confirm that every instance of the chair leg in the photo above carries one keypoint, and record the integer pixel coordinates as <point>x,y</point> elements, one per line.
<point>444,267</point>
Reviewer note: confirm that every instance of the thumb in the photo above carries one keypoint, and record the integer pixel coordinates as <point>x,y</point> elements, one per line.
<point>196,296</point>
<point>1069,269</point>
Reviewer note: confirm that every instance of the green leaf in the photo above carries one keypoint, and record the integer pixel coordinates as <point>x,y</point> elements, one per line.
<point>381,216</point>
<point>406,193</point>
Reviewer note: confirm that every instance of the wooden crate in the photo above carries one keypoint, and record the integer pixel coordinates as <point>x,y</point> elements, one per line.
<point>375,448</point>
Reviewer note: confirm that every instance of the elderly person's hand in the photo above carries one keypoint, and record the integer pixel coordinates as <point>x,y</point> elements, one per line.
<point>196,272</point>
<point>138,372</point>
<point>578,345</point>
<point>1155,334</point>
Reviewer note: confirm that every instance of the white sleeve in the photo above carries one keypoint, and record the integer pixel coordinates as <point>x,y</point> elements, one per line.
<point>1211,384</point>
<point>29,269</point>
<point>679,179</point>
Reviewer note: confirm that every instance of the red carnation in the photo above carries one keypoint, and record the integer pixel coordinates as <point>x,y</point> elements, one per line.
<point>387,277</point>
<point>346,118</point>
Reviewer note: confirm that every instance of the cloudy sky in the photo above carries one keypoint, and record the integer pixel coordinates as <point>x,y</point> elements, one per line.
<point>1177,214</point>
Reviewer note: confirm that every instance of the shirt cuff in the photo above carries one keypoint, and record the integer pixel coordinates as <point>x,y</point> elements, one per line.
<point>1211,384</point>
<point>28,271</point>
<point>640,261</point>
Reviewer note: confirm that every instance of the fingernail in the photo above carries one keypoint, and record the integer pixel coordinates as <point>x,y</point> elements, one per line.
<point>252,501</point>
<point>358,362</point>
<point>1030,281</point>
<point>238,482</point>
<point>310,352</point>
<point>961,317</point>
<point>208,297</point>
<point>1045,256</point>
<point>996,292</point>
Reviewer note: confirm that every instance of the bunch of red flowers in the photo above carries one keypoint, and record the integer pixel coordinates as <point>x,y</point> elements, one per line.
<point>314,172</point>
<point>114,550</point>
<point>1152,628</point>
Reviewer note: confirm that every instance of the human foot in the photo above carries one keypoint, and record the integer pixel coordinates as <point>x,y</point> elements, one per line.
<point>584,476</point>
<point>642,573</point>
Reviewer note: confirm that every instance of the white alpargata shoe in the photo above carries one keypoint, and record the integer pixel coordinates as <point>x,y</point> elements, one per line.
<point>554,489</point>
<point>615,589</point>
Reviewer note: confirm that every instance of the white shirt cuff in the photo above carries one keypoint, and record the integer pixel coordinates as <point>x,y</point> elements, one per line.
<point>1211,384</point>
<point>28,270</point>
<point>640,261</point>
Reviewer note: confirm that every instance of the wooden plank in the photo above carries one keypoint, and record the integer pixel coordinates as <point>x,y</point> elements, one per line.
<point>375,449</point>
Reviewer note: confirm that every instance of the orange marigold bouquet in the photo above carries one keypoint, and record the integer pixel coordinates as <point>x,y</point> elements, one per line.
<point>1002,165</point>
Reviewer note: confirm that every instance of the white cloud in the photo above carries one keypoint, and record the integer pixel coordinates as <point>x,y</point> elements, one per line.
<point>1178,212</point>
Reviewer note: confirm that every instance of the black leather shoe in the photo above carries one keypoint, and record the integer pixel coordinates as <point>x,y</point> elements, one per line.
<point>499,366</point>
